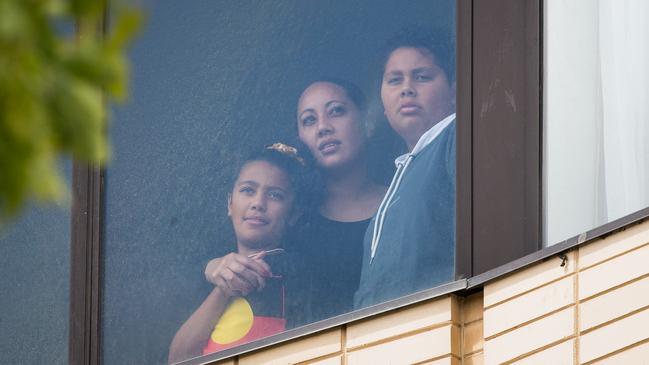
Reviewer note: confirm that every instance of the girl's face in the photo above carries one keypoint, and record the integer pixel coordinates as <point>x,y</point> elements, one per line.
<point>261,205</point>
<point>330,124</point>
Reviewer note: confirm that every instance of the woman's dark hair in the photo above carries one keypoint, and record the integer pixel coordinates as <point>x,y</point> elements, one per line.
<point>354,92</point>
<point>293,164</point>
<point>438,41</point>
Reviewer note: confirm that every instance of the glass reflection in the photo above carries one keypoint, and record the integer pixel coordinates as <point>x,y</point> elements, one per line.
<point>35,285</point>
<point>208,91</point>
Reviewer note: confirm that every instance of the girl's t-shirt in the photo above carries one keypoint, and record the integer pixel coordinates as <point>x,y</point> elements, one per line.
<point>257,315</point>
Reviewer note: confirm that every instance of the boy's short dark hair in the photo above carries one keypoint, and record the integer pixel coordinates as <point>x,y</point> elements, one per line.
<point>438,41</point>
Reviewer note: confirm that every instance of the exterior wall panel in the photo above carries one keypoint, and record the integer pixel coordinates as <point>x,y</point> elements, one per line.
<point>593,309</point>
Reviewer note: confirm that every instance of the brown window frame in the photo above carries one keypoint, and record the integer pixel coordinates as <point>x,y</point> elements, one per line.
<point>85,262</point>
<point>479,25</point>
<point>498,207</point>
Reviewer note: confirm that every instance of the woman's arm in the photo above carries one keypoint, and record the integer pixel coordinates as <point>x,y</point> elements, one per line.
<point>232,275</point>
<point>257,265</point>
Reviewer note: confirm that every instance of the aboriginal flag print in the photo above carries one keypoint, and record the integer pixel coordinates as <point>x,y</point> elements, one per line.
<point>258,315</point>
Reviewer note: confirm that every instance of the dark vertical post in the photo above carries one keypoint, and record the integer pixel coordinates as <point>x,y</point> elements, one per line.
<point>506,131</point>
<point>85,265</point>
<point>85,253</point>
<point>464,102</point>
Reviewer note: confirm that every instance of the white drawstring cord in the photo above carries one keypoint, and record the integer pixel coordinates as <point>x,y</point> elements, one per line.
<point>379,212</point>
<point>383,207</point>
<point>424,140</point>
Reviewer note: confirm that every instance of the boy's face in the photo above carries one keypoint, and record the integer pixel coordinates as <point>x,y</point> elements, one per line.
<point>416,93</point>
<point>260,206</point>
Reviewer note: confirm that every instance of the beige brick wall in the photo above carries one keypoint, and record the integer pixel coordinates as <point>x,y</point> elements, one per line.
<point>424,333</point>
<point>593,309</point>
<point>472,323</point>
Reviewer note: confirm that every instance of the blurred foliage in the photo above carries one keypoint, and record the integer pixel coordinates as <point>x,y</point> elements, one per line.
<point>53,89</point>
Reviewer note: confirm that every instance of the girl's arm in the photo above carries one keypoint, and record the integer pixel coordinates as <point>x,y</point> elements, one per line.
<point>232,275</point>
<point>195,332</point>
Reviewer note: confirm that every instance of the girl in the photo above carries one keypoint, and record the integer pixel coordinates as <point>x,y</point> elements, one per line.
<point>247,301</point>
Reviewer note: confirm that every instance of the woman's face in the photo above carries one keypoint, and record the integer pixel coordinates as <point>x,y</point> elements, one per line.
<point>260,206</point>
<point>330,124</point>
<point>416,93</point>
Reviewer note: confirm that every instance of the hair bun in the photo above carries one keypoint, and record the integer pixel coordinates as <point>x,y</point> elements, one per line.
<point>286,150</point>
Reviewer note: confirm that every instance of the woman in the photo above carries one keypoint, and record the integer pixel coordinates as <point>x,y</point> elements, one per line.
<point>248,299</point>
<point>331,123</point>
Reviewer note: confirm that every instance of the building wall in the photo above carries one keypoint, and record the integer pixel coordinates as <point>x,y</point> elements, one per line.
<point>592,310</point>
<point>426,333</point>
<point>590,307</point>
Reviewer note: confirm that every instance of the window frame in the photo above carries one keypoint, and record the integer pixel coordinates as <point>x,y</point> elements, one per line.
<point>498,185</point>
<point>506,177</point>
<point>85,264</point>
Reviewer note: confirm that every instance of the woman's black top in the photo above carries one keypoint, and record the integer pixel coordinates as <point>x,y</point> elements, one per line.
<point>332,253</point>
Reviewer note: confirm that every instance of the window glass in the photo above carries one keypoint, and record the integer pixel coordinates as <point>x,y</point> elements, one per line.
<point>596,91</point>
<point>35,286</point>
<point>214,82</point>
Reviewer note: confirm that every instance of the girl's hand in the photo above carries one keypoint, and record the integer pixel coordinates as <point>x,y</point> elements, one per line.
<point>237,275</point>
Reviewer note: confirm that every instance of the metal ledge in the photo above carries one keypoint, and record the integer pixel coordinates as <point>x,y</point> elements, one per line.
<point>556,249</point>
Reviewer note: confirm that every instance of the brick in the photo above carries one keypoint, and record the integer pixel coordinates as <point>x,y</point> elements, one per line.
<point>614,304</point>
<point>473,337</point>
<point>616,244</point>
<point>529,306</point>
<point>523,340</point>
<point>455,309</point>
<point>415,348</point>
<point>338,360</point>
<point>614,272</point>
<point>445,361</point>
<point>561,354</point>
<point>402,321</point>
<point>472,307</point>
<point>475,359</point>
<point>225,362</point>
<point>614,336</point>
<point>527,279</point>
<point>304,349</point>
<point>638,355</point>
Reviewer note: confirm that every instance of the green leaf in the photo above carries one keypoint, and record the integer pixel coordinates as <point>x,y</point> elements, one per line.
<point>53,92</point>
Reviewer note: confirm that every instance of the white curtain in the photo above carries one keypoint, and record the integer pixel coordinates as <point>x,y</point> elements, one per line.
<point>596,113</point>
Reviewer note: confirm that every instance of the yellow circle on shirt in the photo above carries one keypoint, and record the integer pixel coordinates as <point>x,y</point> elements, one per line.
<point>235,322</point>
